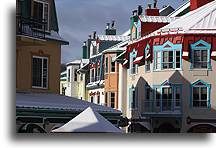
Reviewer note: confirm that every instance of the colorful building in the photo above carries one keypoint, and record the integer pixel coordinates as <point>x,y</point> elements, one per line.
<point>170,71</point>
<point>39,107</point>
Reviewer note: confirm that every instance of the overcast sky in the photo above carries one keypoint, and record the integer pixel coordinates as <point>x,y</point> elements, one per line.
<point>79,18</point>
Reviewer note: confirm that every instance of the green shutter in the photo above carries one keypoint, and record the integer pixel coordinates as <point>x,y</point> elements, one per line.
<point>26,8</point>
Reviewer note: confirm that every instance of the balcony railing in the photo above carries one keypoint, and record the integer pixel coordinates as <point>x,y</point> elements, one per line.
<point>160,106</point>
<point>30,27</point>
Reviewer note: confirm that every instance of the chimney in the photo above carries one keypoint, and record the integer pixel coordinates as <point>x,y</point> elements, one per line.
<point>112,30</point>
<point>108,26</point>
<point>113,25</point>
<point>94,34</point>
<point>140,10</point>
<point>135,13</point>
<point>152,11</point>
<point>85,52</point>
<point>194,4</point>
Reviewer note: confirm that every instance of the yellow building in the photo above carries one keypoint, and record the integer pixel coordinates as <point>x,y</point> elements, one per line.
<point>38,47</point>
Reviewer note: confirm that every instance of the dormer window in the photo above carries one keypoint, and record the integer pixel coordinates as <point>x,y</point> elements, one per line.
<point>41,13</point>
<point>200,58</point>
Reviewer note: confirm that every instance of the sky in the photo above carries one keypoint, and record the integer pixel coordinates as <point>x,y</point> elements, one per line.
<point>78,19</point>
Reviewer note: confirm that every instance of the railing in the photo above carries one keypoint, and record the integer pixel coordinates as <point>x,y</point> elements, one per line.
<point>30,27</point>
<point>164,105</point>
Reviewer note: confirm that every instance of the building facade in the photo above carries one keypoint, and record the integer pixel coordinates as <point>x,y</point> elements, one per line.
<point>169,74</point>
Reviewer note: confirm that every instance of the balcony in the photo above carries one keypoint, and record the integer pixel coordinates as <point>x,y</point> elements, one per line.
<point>166,107</point>
<point>30,27</point>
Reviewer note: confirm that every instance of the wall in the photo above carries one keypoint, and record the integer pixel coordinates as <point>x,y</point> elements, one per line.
<point>24,65</point>
<point>111,78</point>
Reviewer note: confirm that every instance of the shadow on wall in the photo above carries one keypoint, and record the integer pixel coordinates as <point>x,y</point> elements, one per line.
<point>166,112</point>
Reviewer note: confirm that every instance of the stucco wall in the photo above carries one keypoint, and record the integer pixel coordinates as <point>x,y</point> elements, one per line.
<point>24,65</point>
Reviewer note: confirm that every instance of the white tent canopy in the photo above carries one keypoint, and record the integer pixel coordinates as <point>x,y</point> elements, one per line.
<point>89,121</point>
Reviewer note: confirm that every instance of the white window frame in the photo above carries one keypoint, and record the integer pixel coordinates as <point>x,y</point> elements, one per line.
<point>48,7</point>
<point>42,82</point>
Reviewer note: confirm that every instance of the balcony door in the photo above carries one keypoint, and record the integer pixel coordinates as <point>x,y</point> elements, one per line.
<point>167,99</point>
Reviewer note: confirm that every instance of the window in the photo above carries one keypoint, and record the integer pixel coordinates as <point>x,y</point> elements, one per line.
<point>112,99</point>
<point>200,52</point>
<point>167,60</point>
<point>148,91</point>
<point>177,96</point>
<point>168,56</point>
<point>106,99</point>
<point>148,65</point>
<point>98,73</point>
<point>75,75</point>
<point>113,64</point>
<point>106,66</point>
<point>92,75</point>
<point>133,67</point>
<point>132,98</point>
<point>200,97</point>
<point>158,60</point>
<point>178,59</point>
<point>39,72</point>
<point>41,12</point>
<point>81,77</point>
<point>166,98</point>
<point>69,75</point>
<point>98,99</point>
<point>200,59</point>
<point>92,99</point>
<point>157,95</point>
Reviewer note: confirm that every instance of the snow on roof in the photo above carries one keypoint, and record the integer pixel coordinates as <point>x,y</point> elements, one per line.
<point>55,36</point>
<point>89,121</point>
<point>118,47</point>
<point>57,102</point>
<point>201,20</point>
<point>180,9</point>
<point>113,37</point>
<point>75,62</point>
<point>157,19</point>
<point>127,33</point>
<point>85,61</point>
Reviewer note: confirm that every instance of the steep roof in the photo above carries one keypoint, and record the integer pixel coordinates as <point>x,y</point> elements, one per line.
<point>201,20</point>
<point>88,121</point>
<point>183,8</point>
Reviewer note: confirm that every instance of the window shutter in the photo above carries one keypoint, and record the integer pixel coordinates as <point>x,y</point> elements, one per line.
<point>26,8</point>
<point>130,97</point>
<point>136,97</point>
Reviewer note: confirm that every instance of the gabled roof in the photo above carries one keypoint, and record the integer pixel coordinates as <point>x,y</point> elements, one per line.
<point>157,19</point>
<point>113,37</point>
<point>75,62</point>
<point>166,10</point>
<point>201,20</point>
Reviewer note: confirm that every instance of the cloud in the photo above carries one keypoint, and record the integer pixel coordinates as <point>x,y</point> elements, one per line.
<point>79,18</point>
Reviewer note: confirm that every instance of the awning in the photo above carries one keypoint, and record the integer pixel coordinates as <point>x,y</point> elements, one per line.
<point>138,60</point>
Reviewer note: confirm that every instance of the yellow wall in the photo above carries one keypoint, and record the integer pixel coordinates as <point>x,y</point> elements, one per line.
<point>24,54</point>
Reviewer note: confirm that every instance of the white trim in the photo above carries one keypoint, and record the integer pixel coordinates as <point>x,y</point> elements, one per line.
<point>48,14</point>
<point>213,54</point>
<point>138,59</point>
<point>185,54</point>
